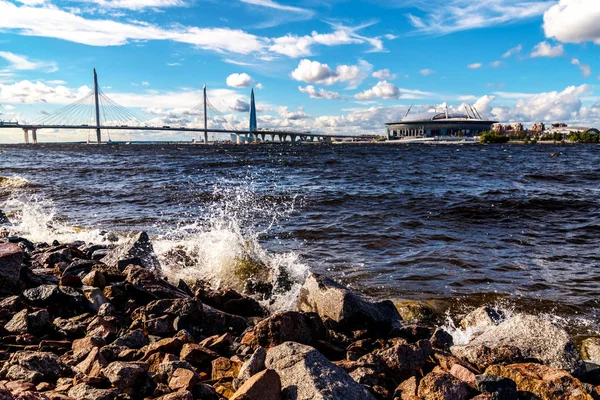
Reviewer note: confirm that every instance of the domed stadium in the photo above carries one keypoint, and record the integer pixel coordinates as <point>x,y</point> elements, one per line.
<point>436,124</point>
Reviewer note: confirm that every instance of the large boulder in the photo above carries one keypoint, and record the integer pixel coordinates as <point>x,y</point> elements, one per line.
<point>307,374</point>
<point>289,326</point>
<point>136,247</point>
<point>401,360</point>
<point>265,385</point>
<point>542,381</point>
<point>536,339</point>
<point>11,261</point>
<point>348,309</point>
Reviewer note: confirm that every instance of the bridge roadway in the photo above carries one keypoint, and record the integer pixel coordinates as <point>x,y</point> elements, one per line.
<point>281,135</point>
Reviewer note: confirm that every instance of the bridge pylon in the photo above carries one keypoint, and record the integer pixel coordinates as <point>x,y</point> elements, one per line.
<point>97,104</point>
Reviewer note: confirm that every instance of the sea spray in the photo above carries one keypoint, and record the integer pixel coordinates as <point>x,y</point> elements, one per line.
<point>223,248</point>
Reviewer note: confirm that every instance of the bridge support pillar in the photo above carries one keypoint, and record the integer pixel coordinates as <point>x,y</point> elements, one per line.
<point>26,135</point>
<point>262,137</point>
<point>237,138</point>
<point>34,136</point>
<point>205,137</point>
<point>293,137</point>
<point>272,137</point>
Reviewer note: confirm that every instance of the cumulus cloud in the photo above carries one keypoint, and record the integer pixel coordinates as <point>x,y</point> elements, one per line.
<point>383,90</point>
<point>426,72</point>
<point>586,70</point>
<point>22,63</point>
<point>315,72</point>
<point>319,94</point>
<point>383,74</point>
<point>239,80</point>
<point>292,115</point>
<point>511,52</point>
<point>573,21</point>
<point>545,49</point>
<point>475,66</point>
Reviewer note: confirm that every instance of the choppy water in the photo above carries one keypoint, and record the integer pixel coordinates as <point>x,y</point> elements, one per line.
<point>459,224</point>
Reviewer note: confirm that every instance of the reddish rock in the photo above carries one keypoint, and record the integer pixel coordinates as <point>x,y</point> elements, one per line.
<point>225,368</point>
<point>290,326</point>
<point>177,396</point>
<point>183,380</point>
<point>70,280</point>
<point>218,343</point>
<point>462,373</point>
<point>265,385</point>
<point>17,387</point>
<point>11,261</point>
<point>92,365</point>
<point>83,347</point>
<point>442,386</point>
<point>94,278</point>
<point>83,391</point>
<point>197,355</point>
<point>18,324</point>
<point>104,327</point>
<point>167,345</point>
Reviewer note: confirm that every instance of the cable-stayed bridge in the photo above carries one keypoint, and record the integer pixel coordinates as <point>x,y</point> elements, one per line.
<point>97,112</point>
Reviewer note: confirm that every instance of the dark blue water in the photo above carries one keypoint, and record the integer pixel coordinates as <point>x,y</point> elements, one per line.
<point>455,223</point>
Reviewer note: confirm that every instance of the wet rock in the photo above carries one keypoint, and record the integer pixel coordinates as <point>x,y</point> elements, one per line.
<point>482,317</point>
<point>83,391</point>
<point>134,340</point>
<point>42,295</point>
<point>126,376</point>
<point>290,326</point>
<point>265,385</point>
<point>534,337</point>
<point>137,246</point>
<point>183,380</point>
<point>415,310</point>
<point>197,355</point>
<point>252,366</point>
<point>542,381</point>
<point>441,340</point>
<point>500,387</point>
<point>179,307</point>
<point>590,349</point>
<point>11,261</point>
<point>442,386</point>
<point>18,324</point>
<point>412,332</point>
<point>232,302</point>
<point>331,300</point>
<point>307,374</point>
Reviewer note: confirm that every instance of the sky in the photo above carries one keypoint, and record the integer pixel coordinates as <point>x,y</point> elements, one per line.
<point>326,66</point>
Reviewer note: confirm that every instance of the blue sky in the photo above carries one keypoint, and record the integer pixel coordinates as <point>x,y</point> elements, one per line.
<point>326,66</point>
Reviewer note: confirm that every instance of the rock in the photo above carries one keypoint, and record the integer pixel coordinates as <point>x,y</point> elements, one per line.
<point>70,280</point>
<point>408,388</point>
<point>10,305</point>
<point>223,367</point>
<point>42,295</point>
<point>104,327</point>
<point>95,298</point>
<point>19,373</point>
<point>289,326</point>
<point>482,317</point>
<point>252,366</point>
<point>126,376</point>
<point>106,310</point>
<point>441,339</point>
<point>11,261</point>
<point>149,281</point>
<point>38,322</point>
<point>44,363</point>
<point>464,374</point>
<point>134,340</point>
<point>167,345</point>
<point>442,386</point>
<point>331,300</point>
<point>590,349</point>
<point>92,364</point>
<point>402,359</point>
<point>483,356</point>
<point>265,385</point>
<point>83,391</point>
<point>534,337</point>
<point>177,396</point>
<point>197,355</point>
<point>183,379</point>
<point>232,302</point>
<point>70,328</point>
<point>162,326</point>
<point>500,387</point>
<point>94,278</point>
<point>215,322</point>
<point>82,347</point>
<point>137,246</point>
<point>18,324</point>
<point>415,310</point>
<point>218,343</point>
<point>307,374</point>
<point>542,381</point>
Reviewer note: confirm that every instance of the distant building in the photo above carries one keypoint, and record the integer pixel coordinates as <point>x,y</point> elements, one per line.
<point>435,124</point>
<point>539,127</point>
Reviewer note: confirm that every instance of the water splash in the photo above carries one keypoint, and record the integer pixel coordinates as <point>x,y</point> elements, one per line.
<point>13,182</point>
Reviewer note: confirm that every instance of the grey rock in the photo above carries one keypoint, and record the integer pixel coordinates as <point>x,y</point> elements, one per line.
<point>134,340</point>
<point>38,321</point>
<point>84,391</point>
<point>46,364</point>
<point>500,387</point>
<point>137,246</point>
<point>42,295</point>
<point>307,374</point>
<point>19,373</point>
<point>252,366</point>
<point>4,219</point>
<point>482,317</point>
<point>18,324</point>
<point>11,262</point>
<point>95,298</point>
<point>590,349</point>
<point>126,376</point>
<point>331,300</point>
<point>536,338</point>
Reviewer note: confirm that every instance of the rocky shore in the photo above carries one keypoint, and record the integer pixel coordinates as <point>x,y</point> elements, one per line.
<point>80,321</point>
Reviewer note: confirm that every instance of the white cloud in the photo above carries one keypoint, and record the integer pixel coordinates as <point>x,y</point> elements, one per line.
<point>316,72</point>
<point>496,64</point>
<point>135,4</point>
<point>28,92</point>
<point>545,49</point>
<point>291,115</point>
<point>259,86</point>
<point>239,80</point>
<point>511,52</point>
<point>383,74</point>
<point>475,66</point>
<point>383,90</point>
<point>586,70</point>
<point>277,6</point>
<point>22,63</point>
<point>447,16</point>
<point>144,83</point>
<point>426,72</point>
<point>319,94</point>
<point>573,21</point>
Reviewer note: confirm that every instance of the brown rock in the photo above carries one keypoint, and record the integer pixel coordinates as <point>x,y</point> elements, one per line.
<point>104,327</point>
<point>55,346</point>
<point>126,376</point>
<point>590,349</point>
<point>182,380</point>
<point>225,368</point>
<point>483,356</point>
<point>83,391</point>
<point>92,365</point>
<point>167,345</point>
<point>177,396</point>
<point>446,361</point>
<point>94,278</point>
<point>224,388</point>
<point>265,385</point>
<point>484,396</point>
<point>218,343</point>
<point>197,355</point>
<point>442,386</point>
<point>11,261</point>
<point>408,388</point>
<point>401,359</point>
<point>463,374</point>
<point>543,381</point>
<point>150,282</point>
<point>17,387</point>
<point>290,326</point>
<point>70,280</point>
<point>83,347</point>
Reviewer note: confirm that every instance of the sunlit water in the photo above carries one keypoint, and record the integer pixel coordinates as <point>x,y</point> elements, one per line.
<point>461,225</point>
